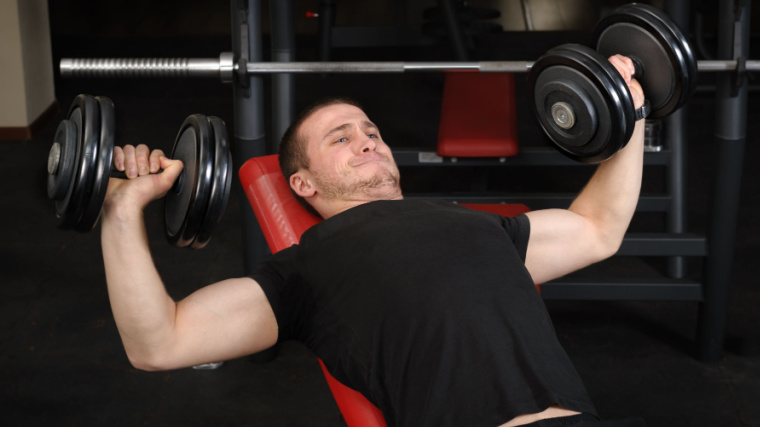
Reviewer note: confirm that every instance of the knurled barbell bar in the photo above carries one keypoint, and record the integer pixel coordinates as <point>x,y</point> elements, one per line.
<point>211,67</point>
<point>80,165</point>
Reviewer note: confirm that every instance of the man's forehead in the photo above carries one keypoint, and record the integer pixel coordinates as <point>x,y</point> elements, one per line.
<point>334,113</point>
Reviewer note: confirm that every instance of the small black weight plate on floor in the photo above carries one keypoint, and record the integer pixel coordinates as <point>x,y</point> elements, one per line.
<point>102,170</point>
<point>187,201</point>
<point>647,34</point>
<point>220,185</point>
<point>577,81</point>
<point>85,114</point>
<point>61,158</point>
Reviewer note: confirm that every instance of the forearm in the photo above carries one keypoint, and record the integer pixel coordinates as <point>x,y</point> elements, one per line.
<point>610,197</point>
<point>143,310</point>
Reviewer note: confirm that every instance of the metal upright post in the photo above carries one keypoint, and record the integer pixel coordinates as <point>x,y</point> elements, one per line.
<point>454,29</point>
<point>675,127</point>
<point>283,50</point>
<point>399,11</point>
<point>249,135</point>
<point>326,22</point>
<point>730,136</point>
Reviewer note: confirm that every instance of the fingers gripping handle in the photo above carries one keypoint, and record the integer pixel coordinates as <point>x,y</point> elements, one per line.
<point>638,72</point>
<point>176,188</point>
<point>638,67</point>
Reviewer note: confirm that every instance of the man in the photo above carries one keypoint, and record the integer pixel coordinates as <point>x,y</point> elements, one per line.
<point>426,308</point>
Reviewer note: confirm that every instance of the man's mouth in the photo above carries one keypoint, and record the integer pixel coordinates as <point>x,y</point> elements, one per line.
<point>369,158</point>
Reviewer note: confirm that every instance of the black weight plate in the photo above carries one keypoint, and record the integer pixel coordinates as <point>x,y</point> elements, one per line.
<point>85,115</point>
<point>567,85</point>
<point>603,87</point>
<point>648,34</point>
<point>186,204</point>
<point>618,113</point>
<point>220,186</point>
<point>688,79</point>
<point>61,205</point>
<point>102,170</point>
<point>58,182</point>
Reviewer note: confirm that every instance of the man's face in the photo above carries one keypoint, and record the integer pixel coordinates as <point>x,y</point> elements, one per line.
<point>348,159</point>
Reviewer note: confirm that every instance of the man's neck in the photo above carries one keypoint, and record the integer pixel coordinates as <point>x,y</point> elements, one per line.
<point>332,209</point>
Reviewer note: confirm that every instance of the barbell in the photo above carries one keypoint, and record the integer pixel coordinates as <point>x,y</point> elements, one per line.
<point>220,68</point>
<point>211,67</point>
<point>80,166</point>
<point>580,100</point>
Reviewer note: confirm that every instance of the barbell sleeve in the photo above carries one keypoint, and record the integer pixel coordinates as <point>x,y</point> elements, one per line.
<point>224,67</point>
<point>221,67</point>
<point>717,65</point>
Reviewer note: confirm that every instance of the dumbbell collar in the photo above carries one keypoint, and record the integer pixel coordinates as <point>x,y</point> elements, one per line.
<point>54,158</point>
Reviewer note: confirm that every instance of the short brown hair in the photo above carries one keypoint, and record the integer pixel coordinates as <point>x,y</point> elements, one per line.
<point>293,153</point>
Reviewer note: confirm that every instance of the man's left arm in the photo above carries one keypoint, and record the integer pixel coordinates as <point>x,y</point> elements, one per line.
<point>593,227</point>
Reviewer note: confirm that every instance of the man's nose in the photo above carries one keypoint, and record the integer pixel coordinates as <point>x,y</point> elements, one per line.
<point>367,144</point>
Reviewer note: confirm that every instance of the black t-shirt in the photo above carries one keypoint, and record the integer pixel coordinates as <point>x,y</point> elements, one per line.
<point>427,309</point>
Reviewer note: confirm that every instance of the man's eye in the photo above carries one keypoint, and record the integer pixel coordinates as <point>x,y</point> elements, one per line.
<point>341,140</point>
<point>372,135</point>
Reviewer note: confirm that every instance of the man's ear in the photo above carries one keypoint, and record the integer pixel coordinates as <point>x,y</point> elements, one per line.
<point>302,185</point>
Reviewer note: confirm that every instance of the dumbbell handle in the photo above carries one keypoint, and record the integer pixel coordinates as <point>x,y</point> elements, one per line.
<point>177,187</point>
<point>54,160</point>
<point>638,68</point>
<point>115,173</point>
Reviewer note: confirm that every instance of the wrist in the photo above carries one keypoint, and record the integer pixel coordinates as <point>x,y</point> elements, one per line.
<point>121,213</point>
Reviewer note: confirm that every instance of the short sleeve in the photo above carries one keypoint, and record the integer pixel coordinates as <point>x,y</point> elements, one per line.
<point>280,279</point>
<point>518,229</point>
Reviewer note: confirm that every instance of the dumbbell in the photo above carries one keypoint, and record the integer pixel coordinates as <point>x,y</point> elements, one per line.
<point>80,165</point>
<point>583,104</point>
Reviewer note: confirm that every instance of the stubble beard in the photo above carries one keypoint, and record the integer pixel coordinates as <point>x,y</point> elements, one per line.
<point>380,186</point>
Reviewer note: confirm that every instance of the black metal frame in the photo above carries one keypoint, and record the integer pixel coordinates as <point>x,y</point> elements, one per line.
<point>717,248</point>
<point>730,137</point>
<point>249,135</point>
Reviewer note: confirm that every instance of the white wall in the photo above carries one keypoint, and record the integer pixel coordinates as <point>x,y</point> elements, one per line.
<point>26,62</point>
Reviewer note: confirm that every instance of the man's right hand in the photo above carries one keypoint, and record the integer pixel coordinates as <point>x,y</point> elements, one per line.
<point>144,183</point>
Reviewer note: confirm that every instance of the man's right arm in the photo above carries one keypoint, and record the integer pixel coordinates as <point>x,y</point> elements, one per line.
<point>222,321</point>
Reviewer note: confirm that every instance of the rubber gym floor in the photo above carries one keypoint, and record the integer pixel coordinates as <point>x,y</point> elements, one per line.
<point>61,359</point>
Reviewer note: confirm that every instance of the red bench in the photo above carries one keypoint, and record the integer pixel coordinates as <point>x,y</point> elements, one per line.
<point>478,115</point>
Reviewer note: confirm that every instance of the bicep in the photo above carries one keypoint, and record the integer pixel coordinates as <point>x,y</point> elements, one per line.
<point>223,321</point>
<point>561,242</point>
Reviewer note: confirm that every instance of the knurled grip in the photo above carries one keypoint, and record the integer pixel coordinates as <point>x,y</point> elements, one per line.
<point>147,67</point>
